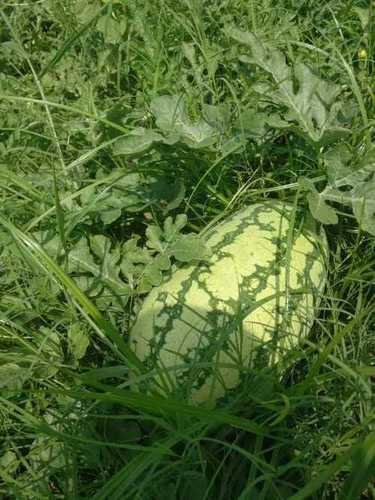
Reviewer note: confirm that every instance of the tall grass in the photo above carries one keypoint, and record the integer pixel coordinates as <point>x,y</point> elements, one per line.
<point>74,77</point>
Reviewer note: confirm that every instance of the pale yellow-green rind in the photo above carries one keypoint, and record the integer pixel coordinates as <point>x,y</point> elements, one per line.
<point>260,287</point>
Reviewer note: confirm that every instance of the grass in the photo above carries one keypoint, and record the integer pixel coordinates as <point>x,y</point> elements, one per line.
<point>91,164</point>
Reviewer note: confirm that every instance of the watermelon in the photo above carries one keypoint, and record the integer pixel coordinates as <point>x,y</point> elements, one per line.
<point>247,305</point>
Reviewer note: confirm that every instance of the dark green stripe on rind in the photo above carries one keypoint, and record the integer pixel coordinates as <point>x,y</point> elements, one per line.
<point>192,306</point>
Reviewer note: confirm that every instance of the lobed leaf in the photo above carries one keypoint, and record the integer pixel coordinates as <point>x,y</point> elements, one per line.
<point>310,101</point>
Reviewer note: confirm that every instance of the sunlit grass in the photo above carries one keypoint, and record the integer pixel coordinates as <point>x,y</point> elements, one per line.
<point>74,76</point>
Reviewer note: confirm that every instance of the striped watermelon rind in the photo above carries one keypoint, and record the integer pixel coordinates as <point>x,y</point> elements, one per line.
<point>249,304</point>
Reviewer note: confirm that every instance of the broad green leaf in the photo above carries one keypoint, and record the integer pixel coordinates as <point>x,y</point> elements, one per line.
<point>86,11</point>
<point>110,215</point>
<point>172,229</point>
<point>50,241</point>
<point>139,267</point>
<point>132,252</point>
<point>104,269</point>
<point>275,121</point>
<point>8,463</point>
<point>108,269</point>
<point>154,238</point>
<point>169,112</point>
<point>87,194</point>
<point>48,342</point>
<point>178,190</point>
<point>137,141</point>
<point>356,176</point>
<point>164,190</point>
<point>78,340</point>
<point>134,261</point>
<point>320,210</point>
<point>171,138</point>
<point>90,285</point>
<point>111,29</point>
<point>198,135</point>
<point>363,15</point>
<point>361,180</point>
<point>217,116</point>
<point>344,170</point>
<point>169,241</point>
<point>162,262</point>
<point>188,248</point>
<point>171,116</point>
<point>126,181</point>
<point>12,376</point>
<point>337,161</point>
<point>151,276</point>
<point>163,244</point>
<point>46,450</point>
<point>363,199</point>
<point>189,52</point>
<point>100,245</point>
<point>80,258</point>
<point>124,192</point>
<point>251,123</point>
<point>309,99</point>
<point>235,144</point>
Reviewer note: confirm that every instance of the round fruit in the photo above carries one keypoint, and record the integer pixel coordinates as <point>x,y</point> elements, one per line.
<point>248,304</point>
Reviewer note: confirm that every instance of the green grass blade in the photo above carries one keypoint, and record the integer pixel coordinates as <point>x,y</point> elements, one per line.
<point>321,479</point>
<point>70,42</point>
<point>42,259</point>
<point>162,406</point>
<point>363,469</point>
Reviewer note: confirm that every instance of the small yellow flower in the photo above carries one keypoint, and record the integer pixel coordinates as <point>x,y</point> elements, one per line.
<point>362,54</point>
